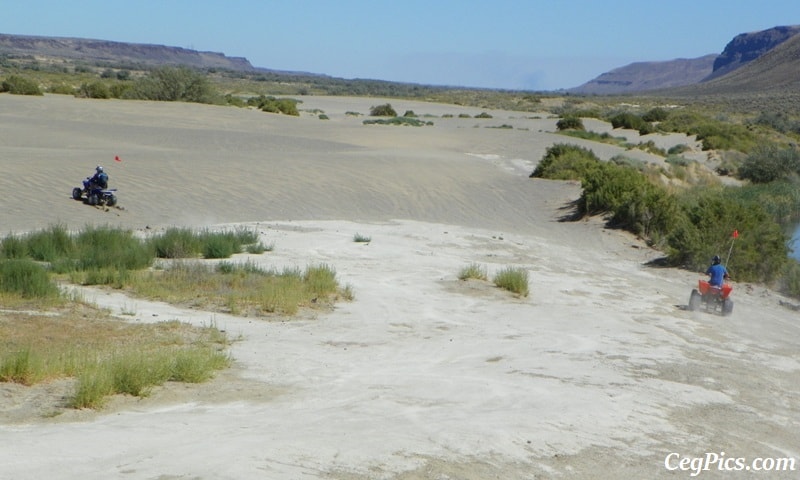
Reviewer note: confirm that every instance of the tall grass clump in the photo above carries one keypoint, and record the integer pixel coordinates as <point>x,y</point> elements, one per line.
<point>106,357</point>
<point>186,243</point>
<point>21,366</point>
<point>513,279</point>
<point>50,244</point>
<point>474,271</point>
<point>220,244</point>
<point>176,243</point>
<point>107,247</point>
<point>13,246</point>
<point>320,280</point>
<point>95,385</point>
<point>27,279</point>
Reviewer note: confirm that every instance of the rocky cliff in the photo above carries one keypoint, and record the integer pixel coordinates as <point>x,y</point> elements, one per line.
<point>746,47</point>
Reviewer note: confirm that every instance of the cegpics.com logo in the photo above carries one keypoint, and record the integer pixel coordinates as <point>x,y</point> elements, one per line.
<point>720,462</point>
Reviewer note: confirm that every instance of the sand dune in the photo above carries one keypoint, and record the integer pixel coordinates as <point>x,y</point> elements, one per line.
<point>598,373</point>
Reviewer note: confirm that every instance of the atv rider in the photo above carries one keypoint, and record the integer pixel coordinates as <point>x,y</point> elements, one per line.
<point>717,272</point>
<point>99,179</point>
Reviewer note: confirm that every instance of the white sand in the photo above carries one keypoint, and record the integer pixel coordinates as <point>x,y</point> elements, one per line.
<point>599,373</point>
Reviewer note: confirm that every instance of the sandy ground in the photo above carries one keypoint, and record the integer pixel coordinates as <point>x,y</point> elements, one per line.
<point>599,373</point>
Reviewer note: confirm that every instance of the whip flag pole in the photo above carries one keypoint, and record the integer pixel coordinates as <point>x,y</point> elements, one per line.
<point>734,236</point>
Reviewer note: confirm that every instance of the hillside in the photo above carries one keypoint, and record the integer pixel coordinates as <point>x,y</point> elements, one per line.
<point>641,76</point>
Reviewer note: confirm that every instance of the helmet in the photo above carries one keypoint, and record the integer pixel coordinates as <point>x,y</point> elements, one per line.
<point>99,169</point>
<point>715,260</point>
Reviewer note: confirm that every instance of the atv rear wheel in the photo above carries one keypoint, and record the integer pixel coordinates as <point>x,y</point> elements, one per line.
<point>111,200</point>
<point>727,307</point>
<point>77,193</point>
<point>94,199</point>
<point>695,300</point>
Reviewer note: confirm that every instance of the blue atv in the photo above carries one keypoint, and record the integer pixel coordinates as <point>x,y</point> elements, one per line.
<point>94,195</point>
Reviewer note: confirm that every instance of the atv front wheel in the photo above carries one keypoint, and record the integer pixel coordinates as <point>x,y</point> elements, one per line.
<point>94,199</point>
<point>111,200</point>
<point>695,300</point>
<point>77,193</point>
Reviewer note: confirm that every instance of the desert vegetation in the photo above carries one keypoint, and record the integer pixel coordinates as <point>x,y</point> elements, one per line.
<point>104,356</point>
<point>690,224</point>
<point>31,265</point>
<point>513,279</point>
<point>473,271</point>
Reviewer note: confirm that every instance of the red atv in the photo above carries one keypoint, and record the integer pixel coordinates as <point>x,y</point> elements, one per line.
<point>712,298</point>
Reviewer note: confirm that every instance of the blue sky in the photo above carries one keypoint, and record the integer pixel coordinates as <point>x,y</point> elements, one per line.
<point>513,44</point>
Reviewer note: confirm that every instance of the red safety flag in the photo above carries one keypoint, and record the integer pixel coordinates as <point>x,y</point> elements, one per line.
<point>736,234</point>
<point>117,159</point>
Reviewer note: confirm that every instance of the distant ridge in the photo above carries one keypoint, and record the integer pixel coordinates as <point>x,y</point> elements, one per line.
<point>687,75</point>
<point>98,51</point>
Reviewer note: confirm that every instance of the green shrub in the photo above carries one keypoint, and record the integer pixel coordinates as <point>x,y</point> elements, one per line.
<point>402,121</point>
<point>358,238</point>
<point>483,115</point>
<point>384,110</point>
<point>94,90</point>
<point>710,217</point>
<point>678,161</point>
<point>678,149</point>
<point>656,114</point>
<point>631,121</point>
<point>513,279</point>
<point>173,84</point>
<point>18,85</point>
<point>768,163</point>
<point>714,134</point>
<point>565,162</point>
<point>410,114</point>
<point>269,104</point>
<point>570,123</point>
<point>631,200</point>
<point>62,89</point>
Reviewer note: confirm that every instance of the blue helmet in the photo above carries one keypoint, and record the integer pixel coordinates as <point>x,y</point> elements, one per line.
<point>99,169</point>
<point>715,260</point>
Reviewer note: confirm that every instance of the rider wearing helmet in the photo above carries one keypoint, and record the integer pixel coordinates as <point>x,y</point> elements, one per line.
<point>100,178</point>
<point>717,272</point>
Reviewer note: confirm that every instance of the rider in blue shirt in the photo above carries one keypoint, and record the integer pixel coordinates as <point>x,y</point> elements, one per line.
<point>717,272</point>
<point>100,178</point>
